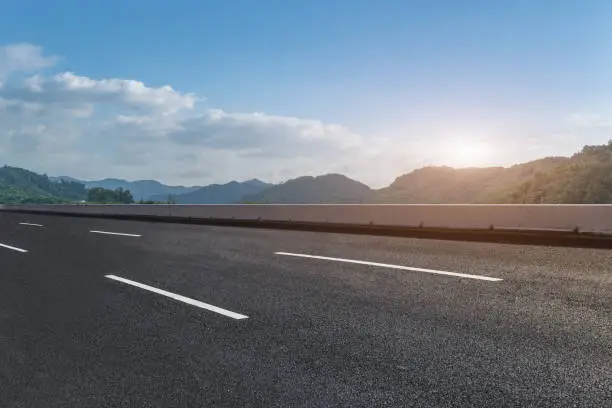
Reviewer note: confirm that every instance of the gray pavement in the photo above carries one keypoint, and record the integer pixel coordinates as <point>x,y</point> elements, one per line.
<point>317,333</point>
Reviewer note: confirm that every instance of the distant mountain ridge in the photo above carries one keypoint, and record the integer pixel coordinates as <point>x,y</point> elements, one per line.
<point>141,189</point>
<point>328,188</point>
<point>229,193</point>
<point>585,177</point>
<point>65,178</point>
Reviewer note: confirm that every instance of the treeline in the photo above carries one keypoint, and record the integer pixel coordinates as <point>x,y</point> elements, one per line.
<point>101,195</point>
<point>20,186</point>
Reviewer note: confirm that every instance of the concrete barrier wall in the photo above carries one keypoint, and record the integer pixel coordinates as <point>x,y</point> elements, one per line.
<point>588,218</point>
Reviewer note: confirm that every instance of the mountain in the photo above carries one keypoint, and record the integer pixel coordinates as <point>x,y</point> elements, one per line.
<point>18,185</point>
<point>141,189</point>
<point>446,185</point>
<point>229,193</point>
<point>65,178</point>
<point>329,188</point>
<point>585,178</point>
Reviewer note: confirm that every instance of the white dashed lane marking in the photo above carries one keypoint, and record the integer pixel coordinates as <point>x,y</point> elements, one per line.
<point>180,298</point>
<point>13,248</point>
<point>383,265</point>
<point>123,234</point>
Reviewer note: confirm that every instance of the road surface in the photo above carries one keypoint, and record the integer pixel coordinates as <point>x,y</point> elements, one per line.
<point>101,313</point>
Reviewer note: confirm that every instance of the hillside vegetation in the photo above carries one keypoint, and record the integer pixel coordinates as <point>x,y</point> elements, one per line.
<point>585,178</point>
<point>22,186</point>
<point>101,195</point>
<point>141,189</point>
<point>446,185</point>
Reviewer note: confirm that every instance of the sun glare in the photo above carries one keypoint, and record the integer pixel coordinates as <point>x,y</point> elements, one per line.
<point>467,153</point>
<point>470,152</point>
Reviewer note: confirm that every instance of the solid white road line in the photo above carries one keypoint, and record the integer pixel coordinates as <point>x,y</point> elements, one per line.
<point>13,248</point>
<point>115,233</point>
<point>30,224</point>
<point>406,268</point>
<point>180,298</point>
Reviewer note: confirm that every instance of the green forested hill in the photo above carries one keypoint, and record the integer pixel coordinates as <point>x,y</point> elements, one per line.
<point>13,195</point>
<point>447,185</point>
<point>328,188</point>
<point>23,186</point>
<point>585,178</point>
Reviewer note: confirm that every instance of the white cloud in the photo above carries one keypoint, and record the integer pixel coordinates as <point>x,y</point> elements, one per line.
<point>90,128</point>
<point>23,57</point>
<point>12,108</point>
<point>266,134</point>
<point>235,145</point>
<point>70,89</point>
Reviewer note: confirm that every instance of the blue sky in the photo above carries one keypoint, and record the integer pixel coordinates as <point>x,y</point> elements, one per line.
<point>368,88</point>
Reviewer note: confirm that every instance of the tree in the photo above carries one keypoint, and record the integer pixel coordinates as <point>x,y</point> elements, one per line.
<point>105,196</point>
<point>98,195</point>
<point>123,196</point>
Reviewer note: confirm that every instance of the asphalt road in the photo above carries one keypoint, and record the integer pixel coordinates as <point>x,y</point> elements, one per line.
<point>528,326</point>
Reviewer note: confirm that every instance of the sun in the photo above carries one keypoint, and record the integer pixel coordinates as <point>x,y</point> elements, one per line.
<point>468,153</point>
